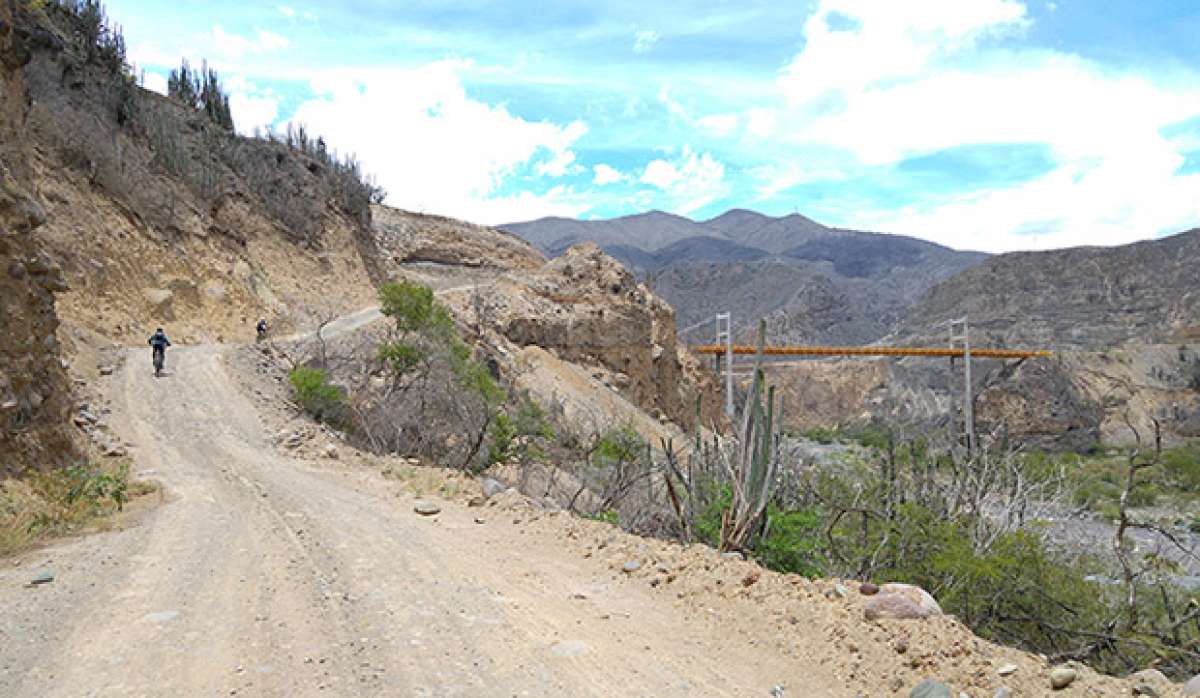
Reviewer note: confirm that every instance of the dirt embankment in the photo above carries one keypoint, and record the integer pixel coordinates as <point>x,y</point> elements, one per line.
<point>35,394</point>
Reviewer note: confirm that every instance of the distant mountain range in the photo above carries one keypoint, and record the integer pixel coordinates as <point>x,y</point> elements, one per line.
<point>812,282</point>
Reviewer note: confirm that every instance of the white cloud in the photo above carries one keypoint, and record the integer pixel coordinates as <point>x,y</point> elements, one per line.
<point>253,111</point>
<point>606,174</point>
<point>286,11</point>
<point>719,124</point>
<point>692,181</point>
<point>912,78</point>
<point>673,107</point>
<point>761,123</point>
<point>155,82</point>
<point>644,40</point>
<point>661,174</point>
<point>270,41</point>
<point>436,149</point>
<point>562,160</point>
<point>892,40</point>
<point>235,48</point>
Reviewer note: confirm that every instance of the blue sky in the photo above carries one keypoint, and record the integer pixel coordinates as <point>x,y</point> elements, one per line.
<point>985,124</point>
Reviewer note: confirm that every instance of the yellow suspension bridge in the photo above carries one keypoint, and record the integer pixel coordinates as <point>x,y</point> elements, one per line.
<point>951,352</point>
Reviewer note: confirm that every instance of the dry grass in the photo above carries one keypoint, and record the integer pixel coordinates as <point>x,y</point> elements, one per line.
<point>44,505</point>
<point>422,480</point>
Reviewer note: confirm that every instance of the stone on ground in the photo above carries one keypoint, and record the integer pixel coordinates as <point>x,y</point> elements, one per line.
<point>1062,677</point>
<point>916,594</point>
<point>893,606</point>
<point>931,689</point>
<point>426,508</point>
<point>491,487</point>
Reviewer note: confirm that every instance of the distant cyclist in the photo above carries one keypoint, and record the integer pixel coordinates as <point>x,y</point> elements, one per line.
<point>159,344</point>
<point>261,329</point>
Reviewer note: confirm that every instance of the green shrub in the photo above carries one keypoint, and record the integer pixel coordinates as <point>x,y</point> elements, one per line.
<point>620,445</point>
<point>520,432</point>
<point>609,516</point>
<point>399,357</point>
<point>313,391</point>
<point>792,543</point>
<point>821,435</point>
<point>1182,466</point>
<point>1143,494</point>
<point>873,435</point>
<point>414,309</point>
<point>1093,492</point>
<point>718,498</point>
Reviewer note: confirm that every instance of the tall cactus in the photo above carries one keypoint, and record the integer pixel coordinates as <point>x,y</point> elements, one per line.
<point>753,468</point>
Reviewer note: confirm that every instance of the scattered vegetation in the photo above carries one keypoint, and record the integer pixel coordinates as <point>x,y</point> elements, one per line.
<point>354,190</point>
<point>433,399</point>
<point>1097,480</point>
<point>100,41</point>
<point>313,391</point>
<point>968,530</point>
<point>270,164</point>
<point>201,90</point>
<point>56,502</point>
<point>521,433</point>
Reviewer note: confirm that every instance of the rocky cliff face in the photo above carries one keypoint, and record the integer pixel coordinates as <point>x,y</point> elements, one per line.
<point>588,309</point>
<point>35,395</point>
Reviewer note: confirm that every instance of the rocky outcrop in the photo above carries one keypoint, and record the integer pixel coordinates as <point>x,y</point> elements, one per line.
<point>35,394</point>
<point>588,309</point>
<point>406,237</point>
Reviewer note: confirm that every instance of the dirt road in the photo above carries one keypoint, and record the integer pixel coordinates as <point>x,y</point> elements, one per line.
<point>264,575</point>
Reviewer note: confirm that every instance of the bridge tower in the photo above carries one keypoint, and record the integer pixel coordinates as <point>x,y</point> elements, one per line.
<point>960,333</point>
<point>725,338</point>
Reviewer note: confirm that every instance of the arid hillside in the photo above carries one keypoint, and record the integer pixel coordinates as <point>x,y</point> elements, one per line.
<point>1122,323</point>
<point>129,211</point>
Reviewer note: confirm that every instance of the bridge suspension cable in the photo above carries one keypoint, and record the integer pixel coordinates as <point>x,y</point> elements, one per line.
<point>952,352</point>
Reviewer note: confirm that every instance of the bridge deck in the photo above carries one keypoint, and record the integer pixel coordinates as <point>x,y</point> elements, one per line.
<point>980,353</point>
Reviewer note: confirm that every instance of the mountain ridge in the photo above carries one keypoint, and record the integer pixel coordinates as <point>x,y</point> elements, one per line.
<point>808,279</point>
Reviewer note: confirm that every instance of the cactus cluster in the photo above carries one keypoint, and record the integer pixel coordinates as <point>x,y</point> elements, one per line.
<point>747,465</point>
<point>753,468</point>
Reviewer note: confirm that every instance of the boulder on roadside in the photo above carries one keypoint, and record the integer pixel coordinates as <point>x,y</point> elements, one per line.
<point>893,606</point>
<point>901,602</point>
<point>1192,687</point>
<point>914,593</point>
